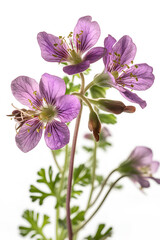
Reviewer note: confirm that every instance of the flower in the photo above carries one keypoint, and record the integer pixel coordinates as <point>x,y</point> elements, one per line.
<point>49,109</point>
<point>85,35</point>
<point>117,59</point>
<point>140,167</point>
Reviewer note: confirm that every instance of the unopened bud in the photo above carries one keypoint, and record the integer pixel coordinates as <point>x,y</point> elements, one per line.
<point>94,125</point>
<point>115,107</point>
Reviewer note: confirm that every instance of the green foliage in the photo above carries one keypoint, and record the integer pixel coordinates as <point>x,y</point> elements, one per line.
<point>70,86</point>
<point>82,175</point>
<point>98,92</point>
<point>100,234</point>
<point>34,229</point>
<point>52,184</point>
<point>108,118</point>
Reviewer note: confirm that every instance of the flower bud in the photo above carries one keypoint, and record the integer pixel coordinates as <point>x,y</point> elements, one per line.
<point>115,107</point>
<point>94,125</point>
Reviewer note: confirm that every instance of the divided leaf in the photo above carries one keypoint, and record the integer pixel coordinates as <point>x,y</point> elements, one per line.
<point>100,234</point>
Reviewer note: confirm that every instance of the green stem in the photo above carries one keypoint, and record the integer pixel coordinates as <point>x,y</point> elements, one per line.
<point>55,159</point>
<point>99,206</point>
<point>89,86</point>
<point>84,99</point>
<point>93,174</point>
<point>102,187</point>
<point>60,189</point>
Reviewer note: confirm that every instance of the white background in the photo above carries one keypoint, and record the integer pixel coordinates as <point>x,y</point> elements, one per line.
<point>132,214</point>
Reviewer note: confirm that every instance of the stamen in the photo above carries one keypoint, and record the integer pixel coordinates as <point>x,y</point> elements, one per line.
<point>132,61</point>
<point>54,55</point>
<point>35,93</point>
<point>28,130</point>
<point>28,125</point>
<point>49,135</point>
<point>136,66</point>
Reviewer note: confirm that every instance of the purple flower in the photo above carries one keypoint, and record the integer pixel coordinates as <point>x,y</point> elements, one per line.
<point>85,35</point>
<point>49,109</point>
<point>117,62</point>
<point>140,167</point>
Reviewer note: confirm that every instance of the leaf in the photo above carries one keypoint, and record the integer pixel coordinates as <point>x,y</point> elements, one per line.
<point>34,229</point>
<point>49,181</point>
<point>98,92</point>
<point>99,235</point>
<point>88,149</point>
<point>82,175</point>
<point>108,118</point>
<point>78,218</point>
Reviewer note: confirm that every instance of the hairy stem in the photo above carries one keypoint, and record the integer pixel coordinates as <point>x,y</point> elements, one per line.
<point>55,159</point>
<point>99,206</point>
<point>89,86</point>
<point>70,175</point>
<point>60,189</point>
<point>102,187</point>
<point>93,174</point>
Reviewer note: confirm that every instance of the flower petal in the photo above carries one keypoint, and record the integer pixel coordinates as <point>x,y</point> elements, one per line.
<point>52,49</point>
<point>138,77</point>
<point>132,97</point>
<point>108,44</point>
<point>56,135</point>
<point>51,87</point>
<point>154,166</point>
<point>127,50</point>
<point>157,180</point>
<point>26,91</point>
<point>77,68</point>
<point>143,182</point>
<point>141,156</point>
<point>67,107</point>
<point>86,33</point>
<point>95,54</point>
<point>29,135</point>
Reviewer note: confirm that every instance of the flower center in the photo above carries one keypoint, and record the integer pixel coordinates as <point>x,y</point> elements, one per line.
<point>145,170</point>
<point>47,114</point>
<point>74,58</point>
<point>115,74</point>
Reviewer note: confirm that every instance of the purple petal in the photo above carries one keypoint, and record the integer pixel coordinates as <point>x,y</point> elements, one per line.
<point>127,50</point>
<point>78,68</point>
<point>108,44</point>
<point>138,77</point>
<point>86,33</point>
<point>67,107</point>
<point>157,180</point>
<point>56,135</point>
<point>141,156</point>
<point>154,166</point>
<point>52,49</point>
<point>132,97</point>
<point>95,54</point>
<point>29,135</point>
<point>51,87</point>
<point>26,91</point>
<point>143,182</point>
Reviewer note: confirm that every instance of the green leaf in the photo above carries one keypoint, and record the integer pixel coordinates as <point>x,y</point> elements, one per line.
<point>108,118</point>
<point>98,92</point>
<point>99,235</point>
<point>34,229</point>
<point>82,175</point>
<point>88,149</point>
<point>87,71</point>
<point>48,180</point>
<point>78,218</point>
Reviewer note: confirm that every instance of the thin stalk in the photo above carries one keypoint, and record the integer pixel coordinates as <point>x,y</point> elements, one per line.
<point>93,174</point>
<point>70,175</point>
<point>61,188</point>
<point>102,187</point>
<point>55,159</point>
<point>89,86</point>
<point>99,206</point>
<point>84,99</point>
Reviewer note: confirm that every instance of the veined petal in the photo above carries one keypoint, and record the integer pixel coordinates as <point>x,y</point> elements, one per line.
<point>67,107</point>
<point>138,77</point>
<point>141,156</point>
<point>29,135</point>
<point>127,51</point>
<point>143,182</point>
<point>95,54</point>
<point>56,135</point>
<point>132,97</point>
<point>86,33</point>
<point>77,68</point>
<point>52,48</point>
<point>108,44</point>
<point>154,166</point>
<point>26,91</point>
<point>51,87</point>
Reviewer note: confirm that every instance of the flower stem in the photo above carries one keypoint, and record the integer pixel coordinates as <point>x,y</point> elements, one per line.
<point>55,159</point>
<point>99,206</point>
<point>93,174</point>
<point>102,187</point>
<point>61,188</point>
<point>70,175</point>
<point>89,86</point>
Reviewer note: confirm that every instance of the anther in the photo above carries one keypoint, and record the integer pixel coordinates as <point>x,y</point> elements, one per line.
<point>49,135</point>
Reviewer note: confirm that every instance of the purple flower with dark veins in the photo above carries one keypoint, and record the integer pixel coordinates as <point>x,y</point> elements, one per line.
<point>124,74</point>
<point>140,167</point>
<point>85,35</point>
<point>49,109</point>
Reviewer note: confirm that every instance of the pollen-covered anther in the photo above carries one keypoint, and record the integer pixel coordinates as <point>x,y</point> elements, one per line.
<point>35,93</point>
<point>38,130</point>
<point>49,135</point>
